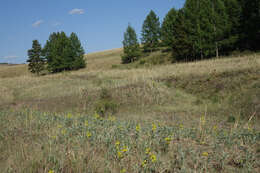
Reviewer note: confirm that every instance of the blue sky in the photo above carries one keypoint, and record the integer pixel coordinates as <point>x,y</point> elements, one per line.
<point>100,24</point>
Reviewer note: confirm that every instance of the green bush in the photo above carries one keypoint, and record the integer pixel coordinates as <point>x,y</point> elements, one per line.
<point>105,104</point>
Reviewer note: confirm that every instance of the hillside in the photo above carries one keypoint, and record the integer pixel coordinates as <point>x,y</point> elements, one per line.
<point>180,103</point>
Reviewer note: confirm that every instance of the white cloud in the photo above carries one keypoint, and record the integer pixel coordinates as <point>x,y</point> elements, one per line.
<point>77,11</point>
<point>57,24</point>
<point>10,57</point>
<point>37,23</point>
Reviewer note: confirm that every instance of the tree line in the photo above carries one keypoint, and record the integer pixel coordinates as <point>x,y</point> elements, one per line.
<point>201,29</point>
<point>60,53</point>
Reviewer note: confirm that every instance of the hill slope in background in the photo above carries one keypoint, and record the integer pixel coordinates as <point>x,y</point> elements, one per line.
<point>224,87</point>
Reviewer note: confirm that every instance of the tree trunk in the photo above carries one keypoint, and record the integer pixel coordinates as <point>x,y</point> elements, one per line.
<point>216,49</point>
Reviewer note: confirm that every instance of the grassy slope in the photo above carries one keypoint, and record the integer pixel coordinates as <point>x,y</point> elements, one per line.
<point>169,95</point>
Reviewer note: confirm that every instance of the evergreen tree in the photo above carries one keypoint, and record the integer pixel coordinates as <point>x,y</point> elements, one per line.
<point>206,26</point>
<point>181,44</point>
<point>131,46</point>
<point>78,53</point>
<point>234,11</point>
<point>63,53</point>
<point>35,59</point>
<point>250,25</point>
<point>151,32</point>
<point>220,24</point>
<point>167,32</point>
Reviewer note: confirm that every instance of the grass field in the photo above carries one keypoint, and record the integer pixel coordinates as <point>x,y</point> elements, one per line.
<point>186,117</point>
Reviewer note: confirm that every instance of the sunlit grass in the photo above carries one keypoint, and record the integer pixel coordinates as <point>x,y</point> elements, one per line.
<point>45,142</point>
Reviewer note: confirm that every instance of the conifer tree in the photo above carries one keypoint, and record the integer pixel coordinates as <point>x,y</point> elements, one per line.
<point>167,32</point>
<point>181,44</point>
<point>78,52</point>
<point>220,24</point>
<point>250,25</point>
<point>64,53</point>
<point>151,32</point>
<point>35,58</point>
<point>233,10</point>
<point>131,46</point>
<point>206,26</point>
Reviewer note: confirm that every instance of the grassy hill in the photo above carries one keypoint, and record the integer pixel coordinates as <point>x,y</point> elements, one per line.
<point>201,116</point>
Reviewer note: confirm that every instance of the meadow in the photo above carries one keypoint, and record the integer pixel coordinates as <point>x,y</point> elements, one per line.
<point>150,116</point>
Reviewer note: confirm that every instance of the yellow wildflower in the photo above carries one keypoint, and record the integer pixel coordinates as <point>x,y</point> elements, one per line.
<point>205,154</point>
<point>86,123</point>
<point>147,151</point>
<point>51,171</point>
<point>119,154</point>
<point>153,158</point>
<point>154,127</point>
<point>117,143</point>
<point>88,134</point>
<point>59,126</point>
<point>96,115</point>
<point>138,127</point>
<point>144,163</point>
<point>215,127</point>
<point>69,115</point>
<point>125,149</point>
<point>123,170</point>
<point>167,140</point>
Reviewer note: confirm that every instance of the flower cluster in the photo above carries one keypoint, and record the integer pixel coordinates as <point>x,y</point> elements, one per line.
<point>150,157</point>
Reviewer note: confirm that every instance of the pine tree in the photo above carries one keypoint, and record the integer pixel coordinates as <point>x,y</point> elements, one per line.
<point>250,25</point>
<point>35,59</point>
<point>181,44</point>
<point>78,52</point>
<point>234,11</point>
<point>167,32</point>
<point>151,32</point>
<point>131,46</point>
<point>206,26</point>
<point>56,52</point>
<point>64,53</point>
<point>220,24</point>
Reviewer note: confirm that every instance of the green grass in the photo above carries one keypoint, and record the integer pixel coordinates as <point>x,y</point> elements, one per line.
<point>43,118</point>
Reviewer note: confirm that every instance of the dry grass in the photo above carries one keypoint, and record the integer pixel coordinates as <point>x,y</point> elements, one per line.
<point>7,71</point>
<point>103,60</point>
<point>226,90</point>
<point>142,89</point>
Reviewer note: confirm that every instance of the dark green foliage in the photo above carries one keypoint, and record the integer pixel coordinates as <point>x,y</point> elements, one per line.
<point>151,32</point>
<point>181,46</point>
<point>167,32</point>
<point>209,28</point>
<point>233,10</point>
<point>131,46</point>
<point>78,52</point>
<point>250,25</point>
<point>206,26</point>
<point>35,58</point>
<point>63,53</point>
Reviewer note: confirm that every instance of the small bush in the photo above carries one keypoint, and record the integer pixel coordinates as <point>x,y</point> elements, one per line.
<point>104,107</point>
<point>105,104</point>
